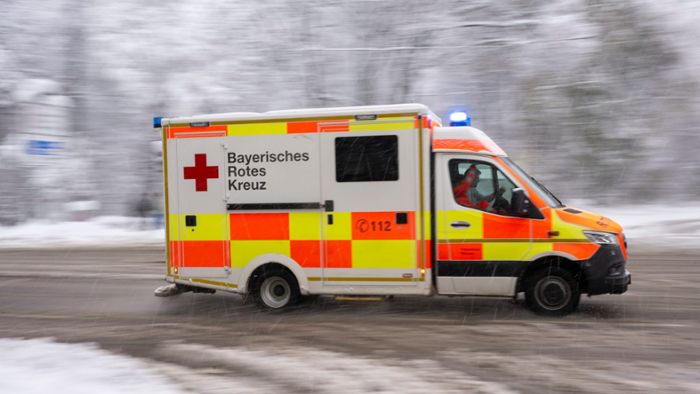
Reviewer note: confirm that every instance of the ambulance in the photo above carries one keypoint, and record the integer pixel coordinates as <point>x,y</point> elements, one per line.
<point>371,201</point>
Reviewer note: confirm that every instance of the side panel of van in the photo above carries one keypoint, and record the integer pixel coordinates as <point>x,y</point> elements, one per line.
<point>342,202</point>
<point>372,236</point>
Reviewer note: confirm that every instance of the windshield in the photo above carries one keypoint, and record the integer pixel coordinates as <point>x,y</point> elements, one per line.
<point>549,198</point>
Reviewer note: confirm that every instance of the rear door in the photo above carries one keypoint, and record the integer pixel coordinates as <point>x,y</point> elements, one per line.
<point>198,222</point>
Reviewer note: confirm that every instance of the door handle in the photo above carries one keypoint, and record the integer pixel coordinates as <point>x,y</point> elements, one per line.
<point>460,224</point>
<point>328,205</point>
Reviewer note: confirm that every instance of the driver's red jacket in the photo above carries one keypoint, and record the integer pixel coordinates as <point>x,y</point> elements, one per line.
<point>461,195</point>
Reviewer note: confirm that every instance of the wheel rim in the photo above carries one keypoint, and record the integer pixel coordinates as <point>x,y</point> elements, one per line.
<point>275,292</point>
<point>553,293</point>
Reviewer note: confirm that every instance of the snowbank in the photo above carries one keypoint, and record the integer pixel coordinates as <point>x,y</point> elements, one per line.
<point>655,225</point>
<point>103,231</point>
<point>43,366</point>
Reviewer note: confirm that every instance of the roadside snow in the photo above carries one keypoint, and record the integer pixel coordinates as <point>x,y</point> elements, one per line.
<point>42,366</point>
<point>101,231</point>
<point>655,225</point>
<point>677,225</point>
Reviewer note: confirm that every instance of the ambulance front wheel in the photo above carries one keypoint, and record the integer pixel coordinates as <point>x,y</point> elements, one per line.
<point>552,291</point>
<point>275,289</point>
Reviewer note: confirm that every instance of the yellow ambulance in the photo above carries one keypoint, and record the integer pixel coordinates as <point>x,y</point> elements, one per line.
<point>371,200</point>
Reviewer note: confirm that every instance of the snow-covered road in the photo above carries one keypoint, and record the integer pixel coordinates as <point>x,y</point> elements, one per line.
<point>642,341</point>
<point>38,366</point>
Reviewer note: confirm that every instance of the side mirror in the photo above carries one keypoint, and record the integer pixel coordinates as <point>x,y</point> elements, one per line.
<point>520,204</point>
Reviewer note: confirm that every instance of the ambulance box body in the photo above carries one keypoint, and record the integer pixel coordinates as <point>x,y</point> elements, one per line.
<point>375,200</point>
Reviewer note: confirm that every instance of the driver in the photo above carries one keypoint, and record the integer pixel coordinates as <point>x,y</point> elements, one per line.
<point>466,194</point>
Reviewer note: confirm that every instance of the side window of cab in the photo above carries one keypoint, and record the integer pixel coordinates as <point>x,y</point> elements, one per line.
<point>481,186</point>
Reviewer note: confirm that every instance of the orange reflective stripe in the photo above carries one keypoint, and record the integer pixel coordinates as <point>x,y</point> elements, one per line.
<point>334,126</point>
<point>306,253</point>
<point>460,251</point>
<point>496,226</point>
<point>581,251</point>
<point>382,225</point>
<point>427,123</point>
<point>197,132</point>
<point>302,127</point>
<point>541,227</point>
<point>175,248</point>
<point>199,253</point>
<point>457,144</point>
<point>428,254</point>
<point>259,226</point>
<point>443,251</point>
<point>338,254</point>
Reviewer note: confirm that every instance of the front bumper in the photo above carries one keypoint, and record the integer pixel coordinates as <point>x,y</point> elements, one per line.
<point>606,272</point>
<point>619,284</point>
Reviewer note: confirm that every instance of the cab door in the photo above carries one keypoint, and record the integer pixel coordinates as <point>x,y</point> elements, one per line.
<point>481,244</point>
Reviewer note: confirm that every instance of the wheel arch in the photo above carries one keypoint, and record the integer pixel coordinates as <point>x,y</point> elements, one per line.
<point>272,259</point>
<point>557,259</point>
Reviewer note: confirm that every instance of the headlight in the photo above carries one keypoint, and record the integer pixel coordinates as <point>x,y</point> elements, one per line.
<point>601,237</point>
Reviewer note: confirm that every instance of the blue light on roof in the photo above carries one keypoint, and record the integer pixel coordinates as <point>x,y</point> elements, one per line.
<point>43,147</point>
<point>157,122</point>
<point>460,118</point>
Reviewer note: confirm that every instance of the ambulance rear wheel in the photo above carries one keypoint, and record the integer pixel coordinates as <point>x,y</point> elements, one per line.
<point>276,289</point>
<point>552,291</point>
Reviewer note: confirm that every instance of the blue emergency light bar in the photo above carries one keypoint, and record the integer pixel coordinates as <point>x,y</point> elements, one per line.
<point>157,122</point>
<point>460,118</point>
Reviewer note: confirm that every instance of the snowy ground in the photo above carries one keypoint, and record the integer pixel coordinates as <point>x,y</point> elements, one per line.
<point>656,225</point>
<point>98,232</point>
<point>645,341</point>
<point>677,225</point>
<point>42,365</point>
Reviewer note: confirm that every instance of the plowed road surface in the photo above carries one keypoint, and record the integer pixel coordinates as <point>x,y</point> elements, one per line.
<point>647,340</point>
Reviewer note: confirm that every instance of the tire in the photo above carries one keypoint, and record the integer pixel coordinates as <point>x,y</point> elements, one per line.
<point>276,289</point>
<point>552,291</point>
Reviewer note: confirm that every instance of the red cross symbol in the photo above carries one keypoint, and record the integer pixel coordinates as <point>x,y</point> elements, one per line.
<point>201,172</point>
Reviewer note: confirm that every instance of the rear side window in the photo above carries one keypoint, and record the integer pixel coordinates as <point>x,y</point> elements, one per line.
<point>367,159</point>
